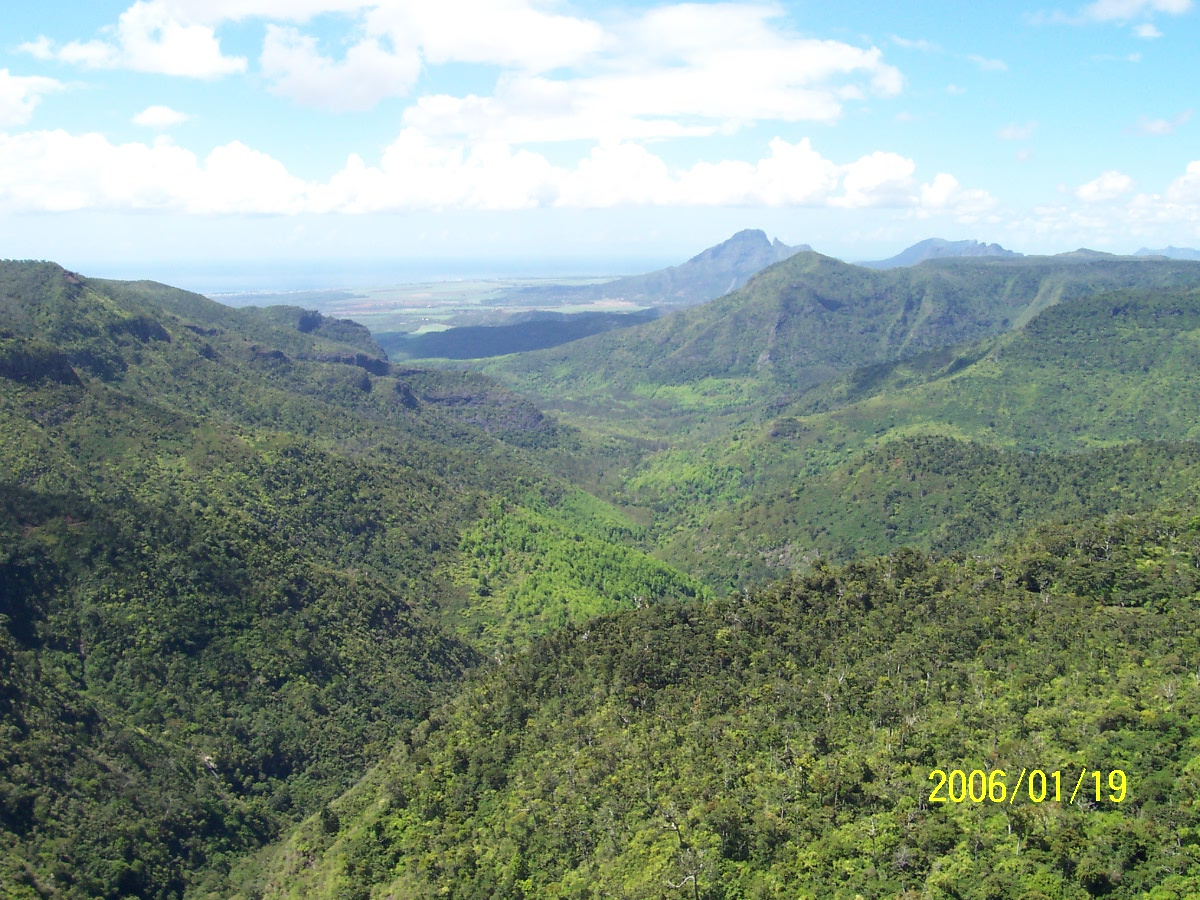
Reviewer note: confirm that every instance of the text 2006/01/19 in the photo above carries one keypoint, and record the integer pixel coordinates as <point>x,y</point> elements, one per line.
<point>977,786</point>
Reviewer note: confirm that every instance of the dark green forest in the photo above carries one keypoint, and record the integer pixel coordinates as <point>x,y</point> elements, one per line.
<point>689,609</point>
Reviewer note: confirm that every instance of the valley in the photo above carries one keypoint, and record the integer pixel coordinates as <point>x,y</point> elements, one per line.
<point>700,600</point>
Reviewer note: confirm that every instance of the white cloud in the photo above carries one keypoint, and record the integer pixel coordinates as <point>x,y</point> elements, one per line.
<point>1186,188</point>
<point>793,175</point>
<point>945,195</point>
<point>718,65</point>
<point>1145,219</point>
<point>160,117</point>
<point>56,171</point>
<point>368,74</point>
<point>502,32</point>
<point>676,71</point>
<point>878,179</point>
<point>988,65</point>
<point>1178,205</point>
<point>1146,31</point>
<point>1108,186</point>
<point>1159,127</point>
<point>1015,132</point>
<point>42,48</point>
<point>148,37</point>
<point>955,89</point>
<point>20,95</point>
<point>417,173</point>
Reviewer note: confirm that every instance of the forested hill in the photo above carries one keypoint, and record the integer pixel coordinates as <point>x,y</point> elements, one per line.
<point>240,553</point>
<point>1087,410</point>
<point>783,743</point>
<point>810,317</point>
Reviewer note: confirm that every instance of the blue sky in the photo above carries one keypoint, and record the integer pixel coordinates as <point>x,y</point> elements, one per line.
<point>173,135</point>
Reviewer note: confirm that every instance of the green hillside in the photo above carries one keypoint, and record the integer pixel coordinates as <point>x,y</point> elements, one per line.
<point>227,546</point>
<point>782,743</point>
<point>945,450</point>
<point>799,323</point>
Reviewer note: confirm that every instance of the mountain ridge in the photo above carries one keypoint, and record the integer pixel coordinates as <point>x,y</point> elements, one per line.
<point>801,321</point>
<point>937,248</point>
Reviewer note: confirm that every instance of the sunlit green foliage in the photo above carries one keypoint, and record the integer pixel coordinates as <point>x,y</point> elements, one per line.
<point>526,573</point>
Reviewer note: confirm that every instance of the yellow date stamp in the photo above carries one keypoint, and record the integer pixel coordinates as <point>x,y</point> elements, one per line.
<point>1038,785</point>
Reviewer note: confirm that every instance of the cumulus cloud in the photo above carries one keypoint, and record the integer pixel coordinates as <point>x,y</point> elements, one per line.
<point>1186,188</point>
<point>160,117</point>
<point>148,37</point>
<point>1146,31</point>
<point>20,95</point>
<point>56,171</point>
<point>1126,220</point>
<point>675,72</point>
<point>945,195</point>
<point>214,12</point>
<point>1165,214</point>
<point>503,32</point>
<point>722,64</point>
<point>1108,186</point>
<point>369,73</point>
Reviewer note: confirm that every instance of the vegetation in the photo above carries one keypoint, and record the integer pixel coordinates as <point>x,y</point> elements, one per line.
<point>949,449</point>
<point>803,321</point>
<point>779,744</point>
<point>228,542</point>
<point>280,617</point>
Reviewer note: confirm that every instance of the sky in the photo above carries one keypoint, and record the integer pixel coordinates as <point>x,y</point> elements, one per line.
<point>306,143</point>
